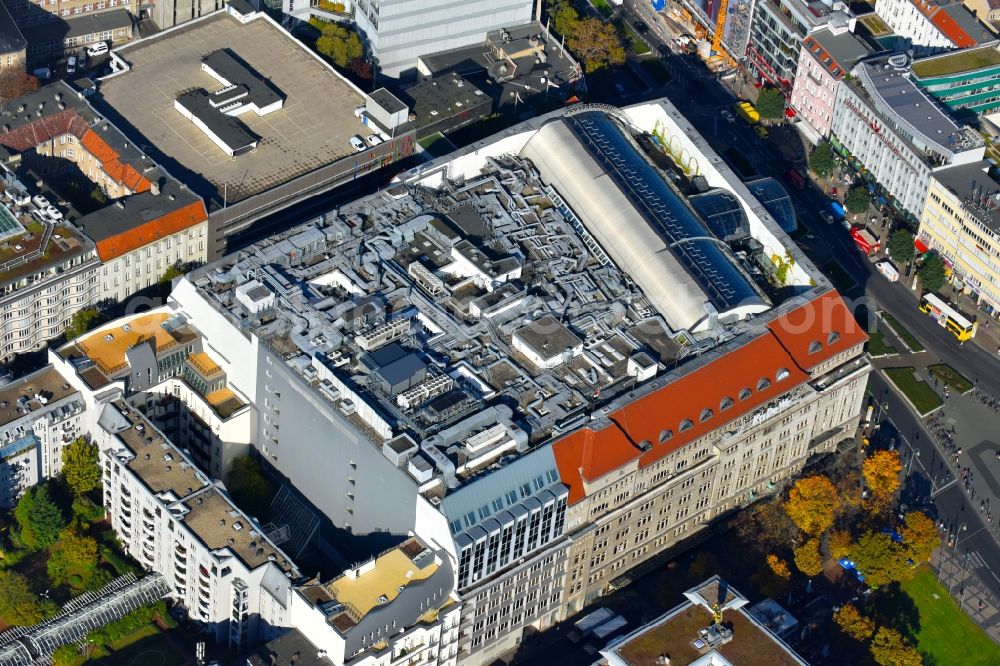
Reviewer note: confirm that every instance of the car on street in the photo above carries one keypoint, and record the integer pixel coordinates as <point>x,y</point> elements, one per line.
<point>357,143</point>
<point>728,116</point>
<point>761,131</point>
<point>828,217</point>
<point>71,65</point>
<point>795,178</point>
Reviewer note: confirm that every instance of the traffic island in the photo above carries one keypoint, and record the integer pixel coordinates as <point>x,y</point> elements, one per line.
<point>903,333</point>
<point>879,346</point>
<point>921,397</point>
<point>950,377</point>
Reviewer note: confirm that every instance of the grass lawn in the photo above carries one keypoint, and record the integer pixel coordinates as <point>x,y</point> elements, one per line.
<point>950,377</point>
<point>877,345</point>
<point>145,646</point>
<point>632,40</point>
<point>841,279</point>
<point>923,397</point>
<point>603,7</point>
<point>436,144</point>
<point>656,70</point>
<point>901,331</point>
<point>946,633</point>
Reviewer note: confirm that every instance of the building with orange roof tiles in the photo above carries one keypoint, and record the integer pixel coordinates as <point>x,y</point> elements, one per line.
<point>932,26</point>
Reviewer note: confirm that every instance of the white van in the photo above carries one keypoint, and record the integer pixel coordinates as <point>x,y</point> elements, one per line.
<point>100,48</point>
<point>886,268</point>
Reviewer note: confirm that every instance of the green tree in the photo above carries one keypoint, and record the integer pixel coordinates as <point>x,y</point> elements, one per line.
<point>80,467</point>
<point>857,199</point>
<point>75,554</point>
<point>564,18</point>
<point>19,606</point>
<point>900,246</point>
<point>889,648</point>
<point>39,518</point>
<point>173,271</point>
<point>250,489</point>
<point>771,104</point>
<point>932,273</point>
<point>822,160</point>
<point>596,44</point>
<point>65,655</point>
<point>880,559</point>
<point>82,321</point>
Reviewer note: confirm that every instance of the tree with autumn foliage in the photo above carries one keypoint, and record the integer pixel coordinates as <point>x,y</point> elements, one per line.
<point>881,472</point>
<point>853,623</point>
<point>839,542</point>
<point>779,566</point>
<point>808,559</point>
<point>920,536</point>
<point>15,82</point>
<point>880,559</point>
<point>765,527</point>
<point>890,648</point>
<point>812,503</point>
<point>596,44</point>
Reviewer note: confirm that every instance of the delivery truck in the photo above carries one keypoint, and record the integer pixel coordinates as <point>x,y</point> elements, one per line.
<point>865,241</point>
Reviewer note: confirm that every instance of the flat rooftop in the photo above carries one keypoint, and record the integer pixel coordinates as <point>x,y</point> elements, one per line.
<point>382,580</point>
<point>219,524</point>
<point>160,465</point>
<point>967,181</point>
<point>310,131</point>
<point>959,62</point>
<point>107,347</point>
<point>18,397</point>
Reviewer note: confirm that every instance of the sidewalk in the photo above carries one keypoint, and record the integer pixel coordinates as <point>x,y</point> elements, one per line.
<point>964,585</point>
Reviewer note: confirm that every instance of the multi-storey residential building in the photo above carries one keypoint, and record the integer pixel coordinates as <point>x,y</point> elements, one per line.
<point>961,221</point>
<point>39,414</point>
<point>826,57</point>
<point>12,44</point>
<point>173,520</point>
<point>405,379</point>
<point>51,267</point>
<point>889,125</point>
<point>933,25</point>
<point>987,11</point>
<point>966,81</point>
<point>776,33</point>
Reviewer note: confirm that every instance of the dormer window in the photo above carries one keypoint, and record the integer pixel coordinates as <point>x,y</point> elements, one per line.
<point>665,435</point>
<point>686,424</point>
<point>726,403</point>
<point>833,337</point>
<point>814,346</point>
<point>706,414</point>
<point>744,394</point>
<point>763,383</point>
<point>782,374</point>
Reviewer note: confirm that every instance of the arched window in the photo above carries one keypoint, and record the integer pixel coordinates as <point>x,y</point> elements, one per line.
<point>726,403</point>
<point>763,383</point>
<point>706,414</point>
<point>814,346</point>
<point>686,424</point>
<point>744,394</point>
<point>782,374</point>
<point>665,435</point>
<point>833,337</point>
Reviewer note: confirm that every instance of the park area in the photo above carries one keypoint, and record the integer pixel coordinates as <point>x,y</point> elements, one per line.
<point>923,398</point>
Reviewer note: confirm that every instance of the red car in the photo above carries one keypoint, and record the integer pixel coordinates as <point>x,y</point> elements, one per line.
<point>796,179</point>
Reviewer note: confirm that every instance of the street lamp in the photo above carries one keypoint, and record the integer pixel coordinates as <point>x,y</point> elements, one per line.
<point>958,534</point>
<point>913,454</point>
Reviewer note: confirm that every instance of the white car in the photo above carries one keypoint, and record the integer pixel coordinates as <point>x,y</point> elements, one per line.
<point>40,201</point>
<point>373,140</point>
<point>728,115</point>
<point>357,143</point>
<point>71,64</point>
<point>54,213</point>
<point>100,48</point>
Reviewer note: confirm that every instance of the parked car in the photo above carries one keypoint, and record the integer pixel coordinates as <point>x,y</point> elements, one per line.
<point>357,143</point>
<point>728,115</point>
<point>71,64</point>
<point>796,179</point>
<point>761,131</point>
<point>373,139</point>
<point>100,48</point>
<point>40,201</point>
<point>42,73</point>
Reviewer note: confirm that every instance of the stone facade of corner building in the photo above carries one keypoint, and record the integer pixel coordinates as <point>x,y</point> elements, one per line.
<point>635,514</point>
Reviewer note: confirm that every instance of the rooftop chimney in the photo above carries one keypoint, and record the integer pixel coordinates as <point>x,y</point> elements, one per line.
<point>154,188</point>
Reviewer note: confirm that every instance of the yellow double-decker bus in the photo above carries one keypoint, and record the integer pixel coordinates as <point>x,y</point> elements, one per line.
<point>947,316</point>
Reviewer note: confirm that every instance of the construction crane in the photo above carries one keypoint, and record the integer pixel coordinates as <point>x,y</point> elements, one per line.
<point>720,28</point>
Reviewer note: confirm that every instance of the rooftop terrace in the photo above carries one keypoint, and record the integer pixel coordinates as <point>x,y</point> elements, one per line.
<point>26,394</point>
<point>379,582</point>
<point>107,347</point>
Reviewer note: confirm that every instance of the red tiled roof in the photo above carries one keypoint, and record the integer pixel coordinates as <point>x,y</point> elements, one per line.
<point>43,129</point>
<point>943,21</point>
<point>124,174</point>
<point>152,231</point>
<point>587,454</point>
